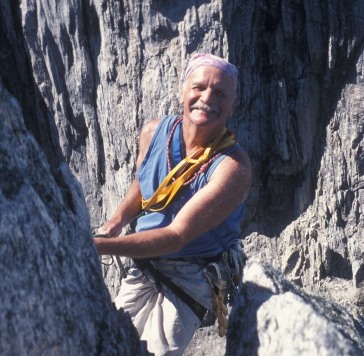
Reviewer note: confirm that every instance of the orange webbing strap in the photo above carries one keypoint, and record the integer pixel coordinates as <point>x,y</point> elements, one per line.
<point>184,171</point>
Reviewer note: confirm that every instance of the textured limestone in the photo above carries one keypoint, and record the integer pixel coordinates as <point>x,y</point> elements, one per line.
<point>100,70</point>
<point>53,298</point>
<point>273,317</point>
<point>328,238</point>
<point>89,74</point>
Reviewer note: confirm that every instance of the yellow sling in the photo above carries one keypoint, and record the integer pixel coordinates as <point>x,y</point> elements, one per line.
<point>184,171</point>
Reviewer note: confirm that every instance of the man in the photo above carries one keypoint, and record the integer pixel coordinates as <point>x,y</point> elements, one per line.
<point>188,196</point>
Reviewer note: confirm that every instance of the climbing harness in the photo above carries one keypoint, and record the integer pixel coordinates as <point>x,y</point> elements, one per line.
<point>224,272</point>
<point>196,307</point>
<point>187,170</point>
<point>224,277</point>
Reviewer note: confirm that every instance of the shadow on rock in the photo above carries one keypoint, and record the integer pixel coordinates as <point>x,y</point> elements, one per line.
<point>273,317</point>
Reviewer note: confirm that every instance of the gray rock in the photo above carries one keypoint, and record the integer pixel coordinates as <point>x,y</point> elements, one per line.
<point>100,70</point>
<point>273,317</point>
<point>53,298</point>
<point>88,75</point>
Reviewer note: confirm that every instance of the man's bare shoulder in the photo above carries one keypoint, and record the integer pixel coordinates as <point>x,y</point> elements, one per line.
<point>149,128</point>
<point>235,171</point>
<point>145,138</point>
<point>239,159</point>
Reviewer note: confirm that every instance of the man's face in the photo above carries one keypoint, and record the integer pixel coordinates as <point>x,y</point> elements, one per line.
<point>208,96</point>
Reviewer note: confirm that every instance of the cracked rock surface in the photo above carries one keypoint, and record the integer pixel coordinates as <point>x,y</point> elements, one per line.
<point>78,80</point>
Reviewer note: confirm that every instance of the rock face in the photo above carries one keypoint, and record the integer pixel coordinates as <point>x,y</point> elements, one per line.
<point>53,299</point>
<point>89,74</point>
<point>272,317</point>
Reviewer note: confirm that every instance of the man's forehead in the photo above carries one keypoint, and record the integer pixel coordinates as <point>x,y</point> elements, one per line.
<point>199,60</point>
<point>211,74</point>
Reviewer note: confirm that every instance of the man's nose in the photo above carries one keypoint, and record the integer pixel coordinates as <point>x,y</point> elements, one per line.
<point>206,95</point>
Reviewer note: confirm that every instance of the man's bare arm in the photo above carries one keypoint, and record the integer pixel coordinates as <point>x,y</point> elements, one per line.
<point>227,188</point>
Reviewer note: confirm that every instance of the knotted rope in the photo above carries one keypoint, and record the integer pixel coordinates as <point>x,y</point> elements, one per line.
<point>183,173</point>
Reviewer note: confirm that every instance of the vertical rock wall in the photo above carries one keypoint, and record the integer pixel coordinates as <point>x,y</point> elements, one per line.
<point>328,239</point>
<point>53,299</point>
<point>91,73</point>
<point>103,69</point>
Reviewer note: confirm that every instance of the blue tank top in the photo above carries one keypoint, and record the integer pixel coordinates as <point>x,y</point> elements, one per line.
<point>151,173</point>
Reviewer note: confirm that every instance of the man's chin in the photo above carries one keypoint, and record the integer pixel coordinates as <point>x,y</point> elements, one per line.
<point>202,116</point>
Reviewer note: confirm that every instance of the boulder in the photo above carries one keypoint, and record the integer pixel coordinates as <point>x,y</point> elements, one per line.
<point>53,296</point>
<point>272,316</point>
<point>87,75</point>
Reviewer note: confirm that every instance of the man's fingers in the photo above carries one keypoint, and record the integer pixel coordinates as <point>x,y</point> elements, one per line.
<point>100,235</point>
<point>98,232</point>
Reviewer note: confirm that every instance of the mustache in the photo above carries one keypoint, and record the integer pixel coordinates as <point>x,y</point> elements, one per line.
<point>204,107</point>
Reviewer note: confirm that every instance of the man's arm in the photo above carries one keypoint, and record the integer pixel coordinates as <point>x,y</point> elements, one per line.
<point>228,187</point>
<point>130,206</point>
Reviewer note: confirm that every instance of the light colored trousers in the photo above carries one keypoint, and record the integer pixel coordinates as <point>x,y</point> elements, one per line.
<point>164,321</point>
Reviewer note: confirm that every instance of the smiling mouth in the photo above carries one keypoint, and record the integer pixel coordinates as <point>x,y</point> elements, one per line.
<point>206,108</point>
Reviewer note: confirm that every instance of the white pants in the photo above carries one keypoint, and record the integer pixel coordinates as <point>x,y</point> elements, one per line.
<point>164,321</point>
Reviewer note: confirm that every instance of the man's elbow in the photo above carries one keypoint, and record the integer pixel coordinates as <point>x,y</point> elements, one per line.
<point>179,237</point>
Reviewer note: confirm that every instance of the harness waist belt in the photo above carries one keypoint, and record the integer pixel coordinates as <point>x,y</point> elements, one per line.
<point>195,306</point>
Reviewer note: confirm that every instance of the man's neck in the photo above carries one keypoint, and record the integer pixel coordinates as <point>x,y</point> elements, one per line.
<point>197,136</point>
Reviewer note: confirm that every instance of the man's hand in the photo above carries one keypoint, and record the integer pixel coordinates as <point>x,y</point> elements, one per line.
<point>110,228</point>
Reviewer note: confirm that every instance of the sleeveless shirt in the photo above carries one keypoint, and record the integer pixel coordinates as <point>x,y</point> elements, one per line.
<point>151,173</point>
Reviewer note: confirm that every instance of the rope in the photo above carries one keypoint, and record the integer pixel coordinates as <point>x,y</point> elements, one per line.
<point>186,171</point>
